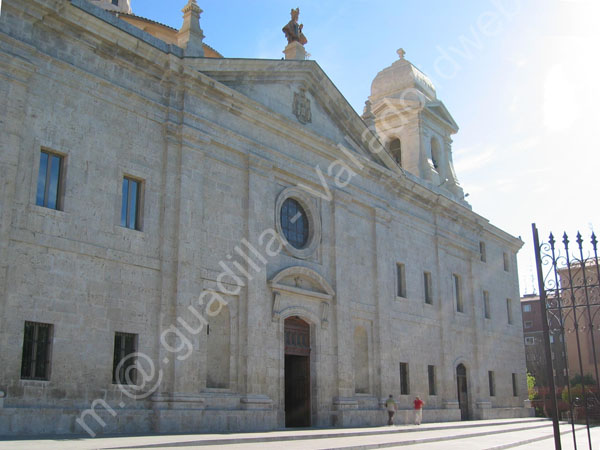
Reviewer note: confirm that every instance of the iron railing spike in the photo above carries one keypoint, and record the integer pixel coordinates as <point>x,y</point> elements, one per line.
<point>594,240</point>
<point>579,240</point>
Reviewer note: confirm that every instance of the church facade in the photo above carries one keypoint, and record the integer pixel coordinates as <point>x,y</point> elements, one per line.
<point>196,243</point>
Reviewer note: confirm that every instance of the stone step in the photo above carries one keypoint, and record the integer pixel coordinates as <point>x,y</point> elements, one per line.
<point>492,434</point>
<point>459,438</point>
<point>299,434</point>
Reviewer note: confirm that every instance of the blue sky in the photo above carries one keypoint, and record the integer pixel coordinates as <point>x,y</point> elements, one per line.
<point>520,77</point>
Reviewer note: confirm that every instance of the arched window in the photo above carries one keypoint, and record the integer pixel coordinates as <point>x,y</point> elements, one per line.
<point>395,149</point>
<point>436,155</point>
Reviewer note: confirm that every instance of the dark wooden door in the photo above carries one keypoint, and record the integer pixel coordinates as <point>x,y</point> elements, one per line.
<point>297,373</point>
<point>463,398</point>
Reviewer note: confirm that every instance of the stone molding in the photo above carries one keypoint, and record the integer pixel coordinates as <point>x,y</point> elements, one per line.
<point>177,400</point>
<point>303,272</point>
<point>256,401</point>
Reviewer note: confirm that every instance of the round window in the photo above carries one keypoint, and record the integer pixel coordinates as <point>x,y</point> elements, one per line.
<point>294,223</point>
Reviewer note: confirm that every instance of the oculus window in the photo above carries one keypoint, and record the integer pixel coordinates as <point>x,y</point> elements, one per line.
<point>294,223</point>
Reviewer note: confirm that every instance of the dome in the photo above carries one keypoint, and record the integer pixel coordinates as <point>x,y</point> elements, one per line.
<point>401,75</point>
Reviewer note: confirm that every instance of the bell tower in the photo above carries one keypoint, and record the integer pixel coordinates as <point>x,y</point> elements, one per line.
<point>415,127</point>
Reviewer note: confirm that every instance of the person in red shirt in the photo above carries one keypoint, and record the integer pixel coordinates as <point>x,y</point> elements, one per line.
<point>418,410</point>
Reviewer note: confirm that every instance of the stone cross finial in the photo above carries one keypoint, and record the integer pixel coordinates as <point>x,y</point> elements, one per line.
<point>401,53</point>
<point>190,36</point>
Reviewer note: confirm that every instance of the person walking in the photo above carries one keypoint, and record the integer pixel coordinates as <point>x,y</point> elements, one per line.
<point>391,406</point>
<point>418,410</point>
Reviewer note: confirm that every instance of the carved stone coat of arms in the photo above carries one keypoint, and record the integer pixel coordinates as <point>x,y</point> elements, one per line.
<point>301,107</point>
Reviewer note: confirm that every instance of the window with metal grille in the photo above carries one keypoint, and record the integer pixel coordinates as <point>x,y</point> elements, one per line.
<point>124,371</point>
<point>514,385</point>
<point>431,378</point>
<point>404,382</point>
<point>486,304</point>
<point>458,293</point>
<point>400,280</point>
<point>482,255</point>
<point>49,185</point>
<point>509,314</point>
<point>35,362</point>
<point>294,223</point>
<point>131,204</point>
<point>427,287</point>
<point>492,383</point>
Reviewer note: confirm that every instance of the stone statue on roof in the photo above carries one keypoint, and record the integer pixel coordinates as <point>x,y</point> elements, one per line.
<point>293,30</point>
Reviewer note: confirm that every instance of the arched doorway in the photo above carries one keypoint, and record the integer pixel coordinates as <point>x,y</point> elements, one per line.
<point>463,398</point>
<point>297,372</point>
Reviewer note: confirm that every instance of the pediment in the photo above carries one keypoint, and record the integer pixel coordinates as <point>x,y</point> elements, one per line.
<point>282,85</point>
<point>302,281</point>
<point>439,110</point>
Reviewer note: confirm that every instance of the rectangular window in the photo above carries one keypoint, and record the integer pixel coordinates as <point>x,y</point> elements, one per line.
<point>115,2</point>
<point>514,385</point>
<point>125,345</point>
<point>49,185</point>
<point>35,362</point>
<point>509,314</point>
<point>427,287</point>
<point>404,382</point>
<point>457,292</point>
<point>505,256</point>
<point>486,305</point>
<point>528,324</point>
<point>492,383</point>
<point>401,280</point>
<point>530,340</point>
<point>131,204</point>
<point>526,308</point>
<point>482,255</point>
<point>431,377</point>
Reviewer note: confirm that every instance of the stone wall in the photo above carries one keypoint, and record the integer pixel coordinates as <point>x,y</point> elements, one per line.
<point>213,163</point>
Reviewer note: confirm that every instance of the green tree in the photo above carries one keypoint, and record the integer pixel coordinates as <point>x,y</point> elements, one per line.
<point>588,380</point>
<point>531,390</point>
